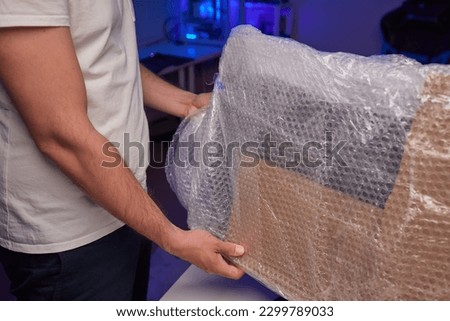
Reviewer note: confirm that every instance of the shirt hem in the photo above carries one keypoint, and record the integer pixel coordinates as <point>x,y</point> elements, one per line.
<point>63,246</point>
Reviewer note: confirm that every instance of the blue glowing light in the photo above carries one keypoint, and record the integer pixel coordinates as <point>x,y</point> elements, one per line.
<point>191,36</point>
<point>206,10</point>
<point>218,9</point>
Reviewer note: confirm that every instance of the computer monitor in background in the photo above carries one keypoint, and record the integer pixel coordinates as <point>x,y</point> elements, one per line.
<point>205,21</point>
<point>210,21</point>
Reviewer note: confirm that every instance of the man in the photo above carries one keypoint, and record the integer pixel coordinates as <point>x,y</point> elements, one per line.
<point>70,86</point>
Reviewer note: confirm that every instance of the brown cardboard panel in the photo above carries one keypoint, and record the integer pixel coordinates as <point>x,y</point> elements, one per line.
<point>416,228</point>
<point>294,243</point>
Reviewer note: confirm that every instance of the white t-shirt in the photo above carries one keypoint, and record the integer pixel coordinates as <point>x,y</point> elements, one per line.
<point>41,210</point>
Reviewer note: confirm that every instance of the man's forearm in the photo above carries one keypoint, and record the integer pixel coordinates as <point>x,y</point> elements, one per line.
<point>163,96</point>
<point>117,190</point>
<point>114,188</point>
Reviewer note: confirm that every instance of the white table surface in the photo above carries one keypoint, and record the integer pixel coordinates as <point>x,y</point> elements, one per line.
<point>197,285</point>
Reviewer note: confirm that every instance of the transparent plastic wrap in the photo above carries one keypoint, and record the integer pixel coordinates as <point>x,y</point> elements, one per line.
<point>333,170</point>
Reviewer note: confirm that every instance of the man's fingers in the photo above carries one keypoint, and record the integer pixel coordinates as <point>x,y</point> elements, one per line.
<point>202,100</point>
<point>192,111</point>
<point>229,270</point>
<point>231,249</point>
<point>234,272</point>
<point>210,254</point>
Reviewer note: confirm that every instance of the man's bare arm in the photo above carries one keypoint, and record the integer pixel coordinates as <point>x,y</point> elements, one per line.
<point>40,71</point>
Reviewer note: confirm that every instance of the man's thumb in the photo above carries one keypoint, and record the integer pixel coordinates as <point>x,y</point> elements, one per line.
<point>231,249</point>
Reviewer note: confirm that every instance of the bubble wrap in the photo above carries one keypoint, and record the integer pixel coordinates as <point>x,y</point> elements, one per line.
<point>358,206</point>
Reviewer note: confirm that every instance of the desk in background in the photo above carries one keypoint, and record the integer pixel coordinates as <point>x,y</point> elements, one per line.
<point>191,63</point>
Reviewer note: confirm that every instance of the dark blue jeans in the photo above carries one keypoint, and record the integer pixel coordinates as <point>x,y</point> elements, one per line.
<point>114,267</point>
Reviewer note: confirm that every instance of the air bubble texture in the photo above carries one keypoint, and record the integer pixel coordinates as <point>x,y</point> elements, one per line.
<point>333,170</point>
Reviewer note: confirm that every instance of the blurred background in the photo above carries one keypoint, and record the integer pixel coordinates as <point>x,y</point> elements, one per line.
<point>181,40</point>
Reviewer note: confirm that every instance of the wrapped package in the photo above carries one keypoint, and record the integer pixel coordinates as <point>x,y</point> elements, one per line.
<point>333,170</point>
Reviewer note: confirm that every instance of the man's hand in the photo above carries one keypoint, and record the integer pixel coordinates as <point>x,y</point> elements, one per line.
<point>199,101</point>
<point>207,252</point>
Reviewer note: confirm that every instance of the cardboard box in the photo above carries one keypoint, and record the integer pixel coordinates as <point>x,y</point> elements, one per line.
<point>308,241</point>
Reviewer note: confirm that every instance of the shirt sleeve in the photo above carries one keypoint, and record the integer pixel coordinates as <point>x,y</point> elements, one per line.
<point>34,13</point>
